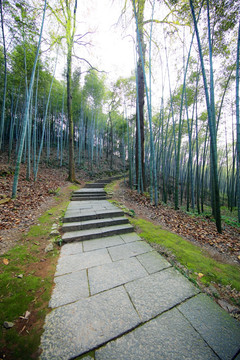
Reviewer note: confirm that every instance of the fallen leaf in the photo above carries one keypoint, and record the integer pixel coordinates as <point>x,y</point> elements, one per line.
<point>5,261</point>
<point>200,275</point>
<point>26,316</point>
<point>3,201</point>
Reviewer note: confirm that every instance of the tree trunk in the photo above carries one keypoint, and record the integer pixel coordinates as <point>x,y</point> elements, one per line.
<point>212,125</point>
<point>71,168</point>
<point>5,80</point>
<point>140,175</point>
<point>20,151</point>
<point>238,122</point>
<point>70,32</point>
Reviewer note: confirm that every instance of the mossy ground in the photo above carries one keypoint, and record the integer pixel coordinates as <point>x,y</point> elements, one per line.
<point>26,280</point>
<point>195,259</point>
<point>109,188</point>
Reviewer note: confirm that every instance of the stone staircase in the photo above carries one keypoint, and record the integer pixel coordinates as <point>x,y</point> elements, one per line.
<point>118,298</point>
<point>89,194</point>
<point>91,216</point>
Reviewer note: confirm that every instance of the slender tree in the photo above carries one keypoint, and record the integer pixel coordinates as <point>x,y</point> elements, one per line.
<point>211,121</point>
<point>5,77</point>
<point>237,120</point>
<point>68,22</point>
<point>138,8</point>
<point>26,111</point>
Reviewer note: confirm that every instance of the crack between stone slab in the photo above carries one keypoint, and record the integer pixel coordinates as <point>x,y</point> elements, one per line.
<point>89,292</point>
<point>118,285</point>
<point>235,356</point>
<point>195,328</point>
<point>136,327</point>
<point>132,303</point>
<point>109,253</point>
<point>106,342</point>
<point>162,312</point>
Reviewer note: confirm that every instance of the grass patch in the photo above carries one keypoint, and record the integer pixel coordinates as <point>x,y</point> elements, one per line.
<point>195,259</point>
<point>21,348</point>
<point>111,187</point>
<point>19,289</point>
<point>16,294</point>
<point>31,291</point>
<point>74,187</point>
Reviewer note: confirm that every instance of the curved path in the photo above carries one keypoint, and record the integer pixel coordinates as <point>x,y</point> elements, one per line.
<point>116,298</point>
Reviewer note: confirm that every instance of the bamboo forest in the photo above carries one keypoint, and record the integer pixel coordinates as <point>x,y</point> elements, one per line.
<point>119,179</point>
<point>171,126</point>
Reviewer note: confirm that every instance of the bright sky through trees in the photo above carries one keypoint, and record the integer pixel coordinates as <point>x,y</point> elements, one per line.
<point>111,50</point>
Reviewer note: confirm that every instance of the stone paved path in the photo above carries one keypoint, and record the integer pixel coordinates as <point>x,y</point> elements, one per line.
<point>117,296</point>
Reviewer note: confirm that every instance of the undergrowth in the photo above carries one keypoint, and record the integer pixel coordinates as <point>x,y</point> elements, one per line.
<point>228,217</point>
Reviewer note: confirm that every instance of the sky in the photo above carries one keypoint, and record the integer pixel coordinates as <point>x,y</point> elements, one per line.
<point>111,50</point>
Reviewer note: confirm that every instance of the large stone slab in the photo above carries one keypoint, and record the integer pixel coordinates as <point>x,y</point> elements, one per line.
<point>153,262</point>
<point>218,329</point>
<point>70,249</point>
<point>68,264</point>
<point>74,329</point>
<point>159,292</point>
<point>69,288</point>
<point>128,250</point>
<point>110,275</point>
<point>106,242</point>
<point>168,337</point>
<point>130,237</point>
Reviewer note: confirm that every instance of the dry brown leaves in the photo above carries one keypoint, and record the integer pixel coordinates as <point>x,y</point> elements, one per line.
<point>30,195</point>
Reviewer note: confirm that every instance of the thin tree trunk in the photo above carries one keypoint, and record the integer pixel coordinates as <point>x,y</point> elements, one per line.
<point>238,122</point>
<point>70,39</point>
<point>5,80</point>
<point>25,119</point>
<point>212,126</point>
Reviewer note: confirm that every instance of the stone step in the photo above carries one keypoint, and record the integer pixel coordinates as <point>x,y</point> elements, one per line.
<point>75,215</point>
<point>91,224</point>
<point>96,233</point>
<point>89,192</point>
<point>94,186</point>
<point>104,181</point>
<point>88,197</point>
